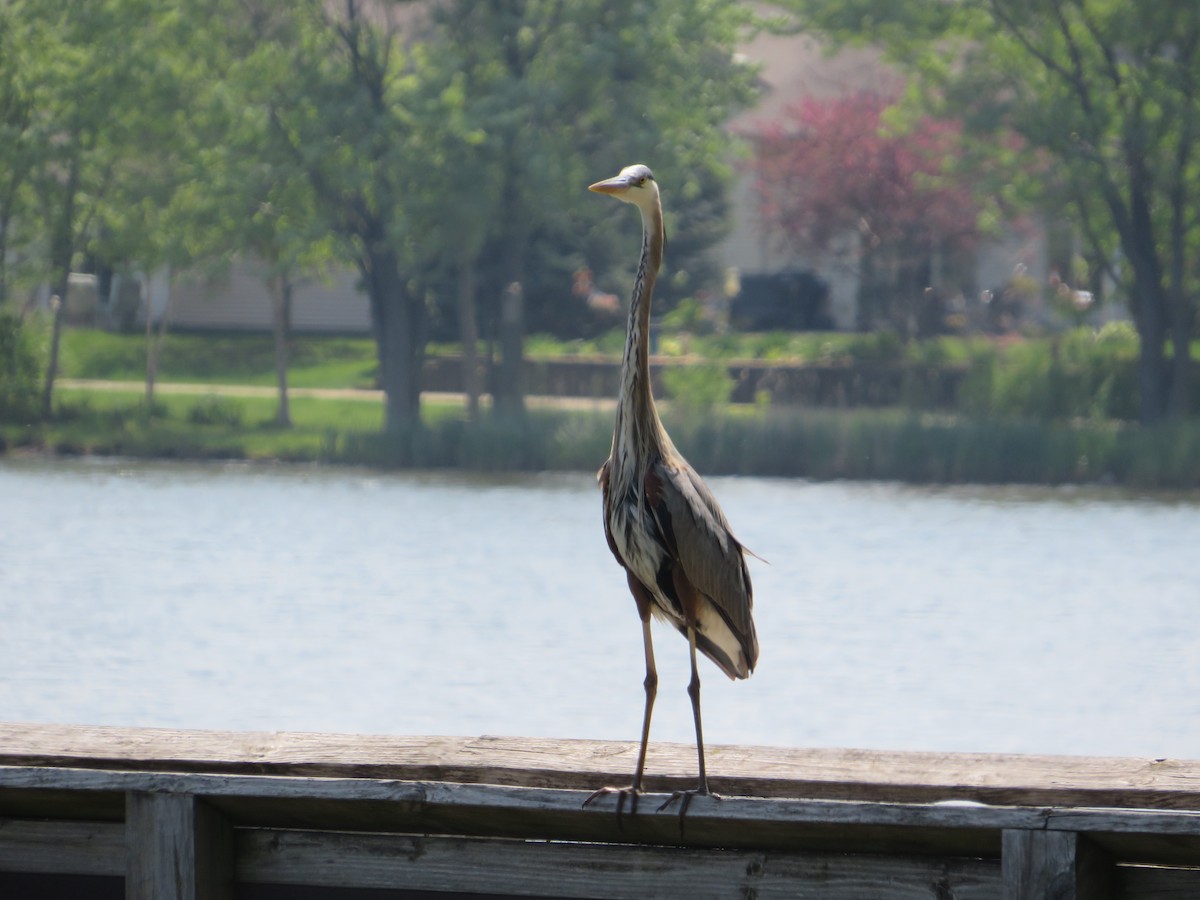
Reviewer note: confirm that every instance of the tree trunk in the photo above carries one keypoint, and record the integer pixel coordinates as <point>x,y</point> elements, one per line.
<point>61,254</point>
<point>1182,324</point>
<point>397,321</point>
<point>58,306</point>
<point>154,344</point>
<point>151,353</point>
<point>281,319</point>
<point>509,397</point>
<point>1153,371</point>
<point>1151,313</point>
<point>4,231</point>
<point>865,291</point>
<point>468,332</point>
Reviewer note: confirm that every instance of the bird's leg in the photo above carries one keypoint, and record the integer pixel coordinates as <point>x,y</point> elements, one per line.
<point>685,797</point>
<point>694,693</point>
<point>651,686</point>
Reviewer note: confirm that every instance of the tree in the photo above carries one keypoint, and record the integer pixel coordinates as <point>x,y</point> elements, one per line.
<point>365,120</point>
<point>91,107</point>
<point>1105,97</point>
<point>257,198</point>
<point>18,50</point>
<point>832,168</point>
<point>563,93</point>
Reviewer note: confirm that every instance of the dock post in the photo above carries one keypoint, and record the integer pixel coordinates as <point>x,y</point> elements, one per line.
<point>178,848</point>
<point>1053,865</point>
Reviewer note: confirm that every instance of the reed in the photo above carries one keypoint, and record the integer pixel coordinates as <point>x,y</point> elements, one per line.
<point>737,440</point>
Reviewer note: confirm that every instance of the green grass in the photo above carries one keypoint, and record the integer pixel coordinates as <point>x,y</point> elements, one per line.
<point>318,361</point>
<point>333,362</point>
<point>185,426</point>
<point>824,444</point>
<point>1041,412</point>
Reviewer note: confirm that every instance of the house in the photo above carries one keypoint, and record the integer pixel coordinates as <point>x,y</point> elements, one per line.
<point>795,67</point>
<point>791,67</point>
<point>240,300</point>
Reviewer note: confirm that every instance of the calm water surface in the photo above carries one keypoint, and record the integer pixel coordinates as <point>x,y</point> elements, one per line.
<point>249,597</point>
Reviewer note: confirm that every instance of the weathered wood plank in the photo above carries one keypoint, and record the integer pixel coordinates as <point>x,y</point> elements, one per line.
<point>178,848</point>
<point>907,777</point>
<point>62,848</point>
<point>541,869</point>
<point>489,810</point>
<point>492,810</point>
<point>856,820</point>
<point>1157,836</point>
<point>1155,883</point>
<point>1054,865</point>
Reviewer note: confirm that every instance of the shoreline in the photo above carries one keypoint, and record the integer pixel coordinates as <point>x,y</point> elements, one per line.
<point>342,427</point>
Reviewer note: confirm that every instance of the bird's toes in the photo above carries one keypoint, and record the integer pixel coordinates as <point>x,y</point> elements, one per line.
<point>684,798</point>
<point>623,794</point>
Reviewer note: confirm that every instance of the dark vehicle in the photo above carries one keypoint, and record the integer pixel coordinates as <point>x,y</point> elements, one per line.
<point>782,301</point>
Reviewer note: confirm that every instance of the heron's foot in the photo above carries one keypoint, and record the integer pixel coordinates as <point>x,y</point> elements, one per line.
<point>623,795</point>
<point>685,800</point>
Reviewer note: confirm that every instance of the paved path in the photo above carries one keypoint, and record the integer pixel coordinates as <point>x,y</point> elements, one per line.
<point>253,390</point>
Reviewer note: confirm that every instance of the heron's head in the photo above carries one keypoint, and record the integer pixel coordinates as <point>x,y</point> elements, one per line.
<point>634,184</point>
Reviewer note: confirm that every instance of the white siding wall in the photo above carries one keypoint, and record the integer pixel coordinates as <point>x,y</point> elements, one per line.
<point>240,300</point>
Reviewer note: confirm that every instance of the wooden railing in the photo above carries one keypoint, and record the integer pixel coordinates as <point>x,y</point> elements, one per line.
<point>147,813</point>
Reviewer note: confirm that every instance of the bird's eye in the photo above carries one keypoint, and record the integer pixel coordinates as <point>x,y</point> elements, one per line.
<point>641,182</point>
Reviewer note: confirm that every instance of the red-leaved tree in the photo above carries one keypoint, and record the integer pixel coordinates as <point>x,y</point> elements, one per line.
<point>833,177</point>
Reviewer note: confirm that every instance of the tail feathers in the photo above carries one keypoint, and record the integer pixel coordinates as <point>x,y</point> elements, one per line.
<point>735,655</point>
<point>735,668</point>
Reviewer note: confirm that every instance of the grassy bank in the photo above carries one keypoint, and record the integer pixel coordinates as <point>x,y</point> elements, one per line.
<point>1040,413</point>
<point>1082,373</point>
<point>333,362</point>
<point>856,444</point>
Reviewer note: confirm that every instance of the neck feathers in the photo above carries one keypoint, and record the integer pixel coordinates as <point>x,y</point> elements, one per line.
<point>637,420</point>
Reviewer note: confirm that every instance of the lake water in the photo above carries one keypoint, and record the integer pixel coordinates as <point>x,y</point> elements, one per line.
<point>319,599</point>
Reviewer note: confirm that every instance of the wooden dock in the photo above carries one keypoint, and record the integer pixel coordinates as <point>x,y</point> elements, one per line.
<point>158,815</point>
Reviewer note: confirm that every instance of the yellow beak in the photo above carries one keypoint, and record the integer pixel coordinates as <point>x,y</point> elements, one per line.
<point>615,185</point>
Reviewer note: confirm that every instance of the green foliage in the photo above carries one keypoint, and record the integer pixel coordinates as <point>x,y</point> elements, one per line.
<point>1088,110</point>
<point>333,362</point>
<point>891,445</point>
<point>687,316</point>
<point>20,362</point>
<point>414,146</point>
<point>1083,374</point>
<point>216,410</point>
<point>897,446</point>
<point>697,388</point>
<point>552,88</point>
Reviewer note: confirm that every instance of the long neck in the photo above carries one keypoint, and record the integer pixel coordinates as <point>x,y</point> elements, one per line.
<point>638,426</point>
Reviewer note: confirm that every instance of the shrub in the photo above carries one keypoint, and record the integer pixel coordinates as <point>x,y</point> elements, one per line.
<point>1081,374</point>
<point>687,316</point>
<point>20,362</point>
<point>216,410</point>
<point>696,389</point>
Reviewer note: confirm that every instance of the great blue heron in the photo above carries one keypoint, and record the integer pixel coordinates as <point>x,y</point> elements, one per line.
<point>683,564</point>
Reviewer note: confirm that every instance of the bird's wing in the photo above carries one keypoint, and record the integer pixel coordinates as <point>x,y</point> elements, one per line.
<point>700,538</point>
<point>602,478</point>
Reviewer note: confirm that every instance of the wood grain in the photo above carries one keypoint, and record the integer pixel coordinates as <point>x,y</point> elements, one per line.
<point>1055,865</point>
<point>178,848</point>
<point>839,774</point>
<point>179,812</point>
<point>62,848</point>
<point>541,869</point>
